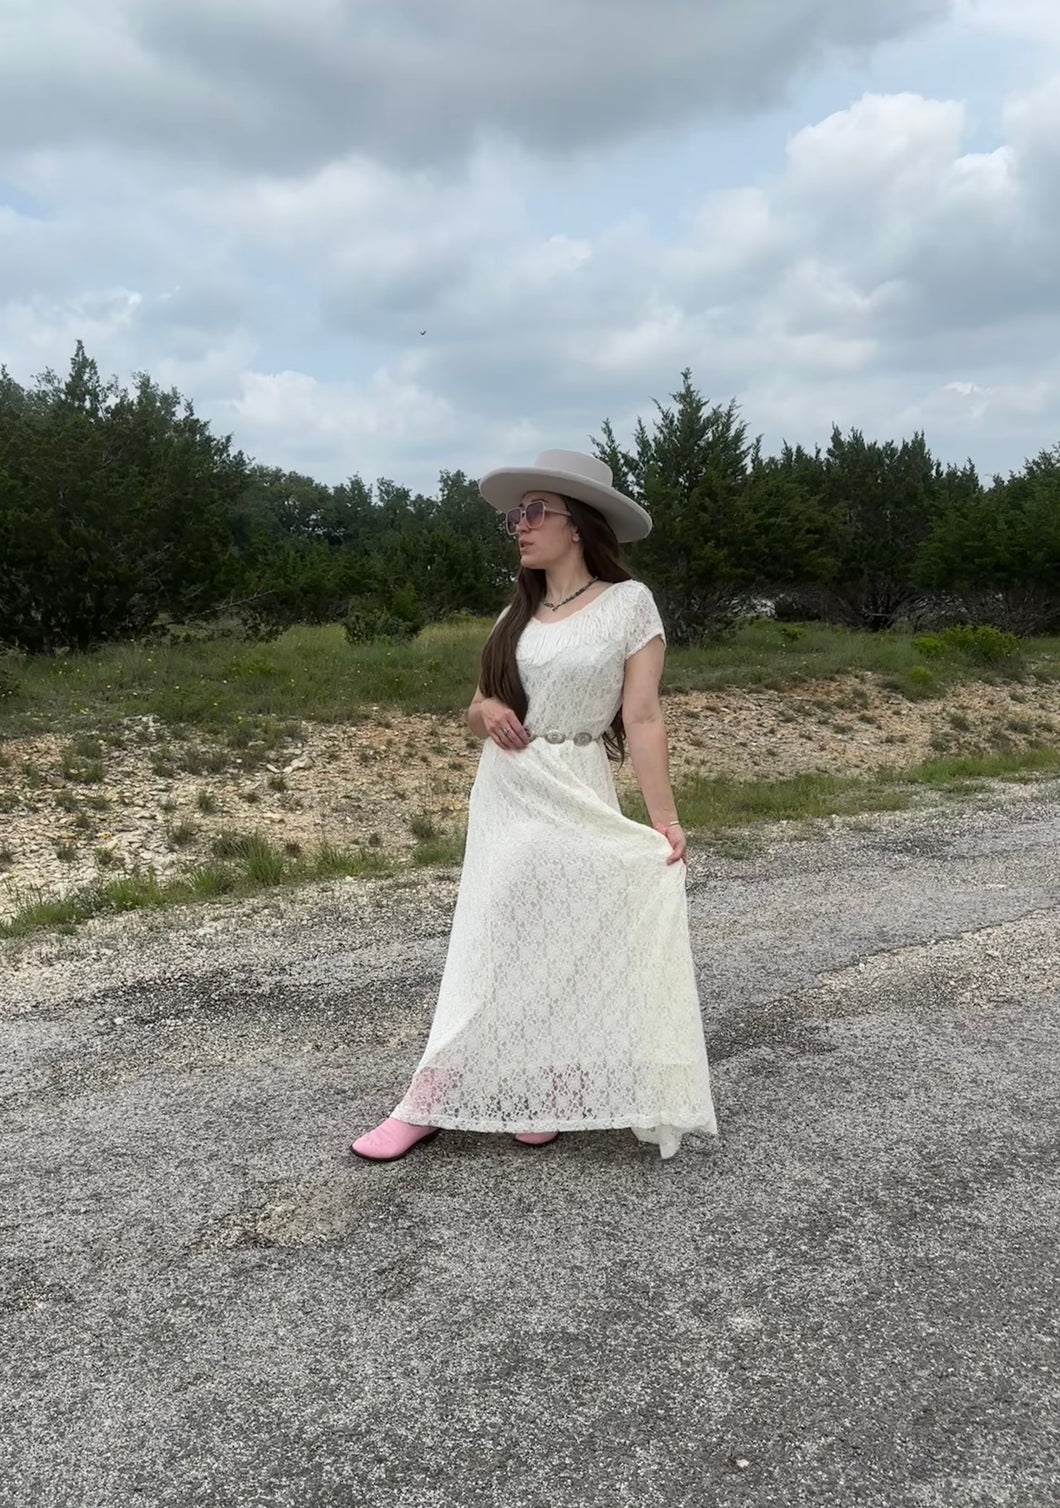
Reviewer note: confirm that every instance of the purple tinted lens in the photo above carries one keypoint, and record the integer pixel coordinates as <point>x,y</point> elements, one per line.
<point>535,513</point>
<point>511,518</point>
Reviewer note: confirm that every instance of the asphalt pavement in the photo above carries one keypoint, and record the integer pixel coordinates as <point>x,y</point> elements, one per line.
<point>851,1296</point>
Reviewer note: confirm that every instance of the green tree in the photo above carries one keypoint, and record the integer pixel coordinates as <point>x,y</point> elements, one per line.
<point>689,470</point>
<point>783,536</point>
<point>882,500</point>
<point>365,555</point>
<point>998,551</point>
<point>113,509</point>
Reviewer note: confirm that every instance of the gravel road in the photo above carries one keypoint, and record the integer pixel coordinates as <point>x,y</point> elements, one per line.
<point>851,1297</point>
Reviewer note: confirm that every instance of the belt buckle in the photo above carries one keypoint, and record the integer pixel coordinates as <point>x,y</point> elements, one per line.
<point>555,737</point>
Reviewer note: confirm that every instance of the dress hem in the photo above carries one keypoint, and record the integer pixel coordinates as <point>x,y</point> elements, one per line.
<point>452,1123</point>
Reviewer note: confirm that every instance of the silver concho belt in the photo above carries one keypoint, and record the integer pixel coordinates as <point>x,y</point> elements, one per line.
<point>560,738</point>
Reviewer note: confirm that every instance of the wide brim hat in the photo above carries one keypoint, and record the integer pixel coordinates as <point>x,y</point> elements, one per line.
<point>585,478</point>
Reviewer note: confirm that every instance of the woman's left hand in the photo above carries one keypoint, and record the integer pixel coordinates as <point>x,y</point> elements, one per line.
<point>676,838</point>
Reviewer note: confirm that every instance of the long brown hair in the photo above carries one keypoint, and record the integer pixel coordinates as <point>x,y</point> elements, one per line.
<point>499,672</point>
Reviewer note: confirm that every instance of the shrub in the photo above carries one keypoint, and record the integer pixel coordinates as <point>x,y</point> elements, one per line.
<point>979,642</point>
<point>181,834</point>
<point>917,683</point>
<point>982,642</point>
<point>789,606</point>
<point>362,627</point>
<point>399,618</point>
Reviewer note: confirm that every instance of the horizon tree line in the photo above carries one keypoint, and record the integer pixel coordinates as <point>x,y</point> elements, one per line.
<point>121,514</point>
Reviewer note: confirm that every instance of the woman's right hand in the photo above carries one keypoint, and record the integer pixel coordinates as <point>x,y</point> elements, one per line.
<point>502,725</point>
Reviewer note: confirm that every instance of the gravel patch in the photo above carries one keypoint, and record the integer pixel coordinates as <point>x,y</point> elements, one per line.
<point>366,784</point>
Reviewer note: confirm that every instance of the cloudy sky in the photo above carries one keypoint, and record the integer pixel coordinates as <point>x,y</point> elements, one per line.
<point>392,236</point>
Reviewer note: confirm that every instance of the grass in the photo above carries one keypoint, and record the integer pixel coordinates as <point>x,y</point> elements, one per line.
<point>82,760</point>
<point>764,653</point>
<point>218,703</point>
<point>180,834</point>
<point>722,804</point>
<point>962,770</point>
<point>215,684</point>
<point>715,812</point>
<point>249,697</point>
<point>246,865</point>
<point>442,848</point>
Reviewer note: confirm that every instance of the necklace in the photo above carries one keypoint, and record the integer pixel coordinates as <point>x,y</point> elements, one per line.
<point>555,605</point>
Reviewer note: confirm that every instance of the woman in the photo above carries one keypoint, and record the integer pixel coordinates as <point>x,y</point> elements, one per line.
<point>568,1000</point>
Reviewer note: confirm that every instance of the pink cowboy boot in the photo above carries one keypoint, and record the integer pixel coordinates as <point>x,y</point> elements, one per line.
<point>391,1139</point>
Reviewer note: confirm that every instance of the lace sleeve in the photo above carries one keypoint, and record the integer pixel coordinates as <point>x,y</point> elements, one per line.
<point>644,621</point>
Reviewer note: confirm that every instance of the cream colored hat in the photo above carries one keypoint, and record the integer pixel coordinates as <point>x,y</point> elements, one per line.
<point>575,475</point>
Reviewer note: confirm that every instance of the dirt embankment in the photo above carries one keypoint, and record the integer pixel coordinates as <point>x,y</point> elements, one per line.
<point>368,782</point>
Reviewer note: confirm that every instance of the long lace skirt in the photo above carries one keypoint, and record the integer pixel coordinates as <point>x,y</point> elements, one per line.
<point>568,1001</point>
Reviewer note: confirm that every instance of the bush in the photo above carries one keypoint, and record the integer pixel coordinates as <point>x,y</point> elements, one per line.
<point>362,626</point>
<point>697,617</point>
<point>790,607</point>
<point>916,684</point>
<point>982,643</point>
<point>399,618</point>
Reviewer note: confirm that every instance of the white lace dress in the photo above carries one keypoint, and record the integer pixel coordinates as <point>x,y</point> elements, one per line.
<point>568,1001</point>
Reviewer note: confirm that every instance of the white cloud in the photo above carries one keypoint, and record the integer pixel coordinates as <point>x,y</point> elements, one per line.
<point>46,332</point>
<point>332,419</point>
<point>1030,20</point>
<point>289,88</point>
<point>883,275</point>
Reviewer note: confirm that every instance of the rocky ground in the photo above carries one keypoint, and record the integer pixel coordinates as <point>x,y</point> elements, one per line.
<point>368,783</point>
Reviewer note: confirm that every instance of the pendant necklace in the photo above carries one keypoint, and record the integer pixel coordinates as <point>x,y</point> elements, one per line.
<point>556,605</point>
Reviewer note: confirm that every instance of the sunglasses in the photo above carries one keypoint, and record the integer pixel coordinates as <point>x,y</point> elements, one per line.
<point>534,512</point>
